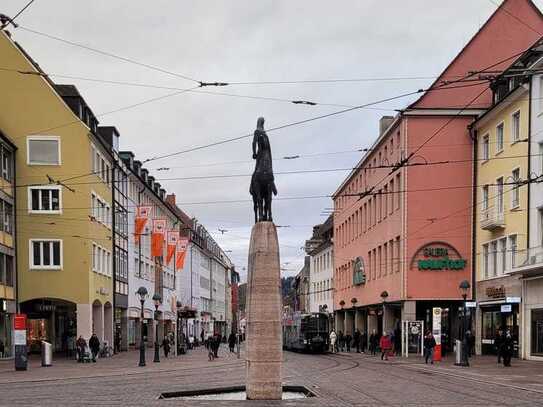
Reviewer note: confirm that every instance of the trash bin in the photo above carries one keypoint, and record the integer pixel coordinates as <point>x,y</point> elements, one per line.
<point>458,353</point>
<point>46,353</point>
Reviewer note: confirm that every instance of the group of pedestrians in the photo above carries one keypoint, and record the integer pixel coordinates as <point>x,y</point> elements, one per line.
<point>503,341</point>
<point>388,343</point>
<point>81,348</point>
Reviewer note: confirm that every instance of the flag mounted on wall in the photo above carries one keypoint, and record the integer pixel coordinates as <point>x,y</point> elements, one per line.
<point>182,244</point>
<point>157,238</point>
<point>173,237</point>
<point>143,213</point>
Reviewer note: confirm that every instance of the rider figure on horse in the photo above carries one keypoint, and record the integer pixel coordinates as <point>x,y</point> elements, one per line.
<point>262,182</point>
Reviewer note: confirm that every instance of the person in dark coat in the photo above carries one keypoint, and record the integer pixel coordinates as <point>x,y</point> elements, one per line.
<point>356,339</point>
<point>166,346</point>
<point>374,341</point>
<point>507,349</point>
<point>341,341</point>
<point>498,342</point>
<point>348,340</point>
<point>2,348</point>
<point>363,341</point>
<point>94,345</point>
<point>429,345</point>
<point>202,336</point>
<point>232,341</point>
<point>398,341</point>
<point>216,344</point>
<point>80,346</point>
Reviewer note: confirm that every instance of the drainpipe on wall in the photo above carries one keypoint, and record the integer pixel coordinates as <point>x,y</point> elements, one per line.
<point>529,165</point>
<point>473,135</point>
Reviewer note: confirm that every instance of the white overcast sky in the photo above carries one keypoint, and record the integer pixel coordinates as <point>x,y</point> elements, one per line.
<point>248,41</point>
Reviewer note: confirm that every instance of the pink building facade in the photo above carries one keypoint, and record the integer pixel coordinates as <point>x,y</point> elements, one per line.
<point>404,237</point>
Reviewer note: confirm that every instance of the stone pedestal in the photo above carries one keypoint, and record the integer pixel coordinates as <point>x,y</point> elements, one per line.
<point>264,348</point>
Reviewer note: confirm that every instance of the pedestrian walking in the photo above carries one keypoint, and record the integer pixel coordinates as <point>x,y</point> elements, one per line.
<point>363,341</point>
<point>2,348</point>
<point>80,346</point>
<point>385,344</point>
<point>232,341</point>
<point>356,339</point>
<point>94,345</point>
<point>216,345</point>
<point>374,341</point>
<point>498,344</point>
<point>166,346</point>
<point>507,348</point>
<point>348,340</point>
<point>429,345</point>
<point>333,339</point>
<point>341,341</point>
<point>117,342</point>
<point>398,341</point>
<point>202,335</point>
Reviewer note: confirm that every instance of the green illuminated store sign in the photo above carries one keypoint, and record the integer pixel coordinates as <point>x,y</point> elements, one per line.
<point>439,256</point>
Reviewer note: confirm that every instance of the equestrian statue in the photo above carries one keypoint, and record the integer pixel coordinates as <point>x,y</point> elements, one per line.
<point>262,182</point>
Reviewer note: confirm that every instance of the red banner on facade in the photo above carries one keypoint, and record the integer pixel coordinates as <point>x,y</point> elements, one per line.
<point>157,238</point>
<point>143,213</point>
<point>182,244</point>
<point>173,237</point>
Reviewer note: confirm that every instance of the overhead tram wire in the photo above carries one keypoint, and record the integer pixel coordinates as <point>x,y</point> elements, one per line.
<point>299,122</point>
<point>12,19</point>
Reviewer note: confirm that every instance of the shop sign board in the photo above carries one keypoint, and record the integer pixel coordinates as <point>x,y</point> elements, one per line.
<point>512,300</point>
<point>495,292</point>
<point>471,304</point>
<point>506,308</point>
<point>438,256</point>
<point>359,271</point>
<point>436,331</point>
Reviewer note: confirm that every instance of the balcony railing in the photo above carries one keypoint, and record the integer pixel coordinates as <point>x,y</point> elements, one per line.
<point>491,219</point>
<point>527,259</point>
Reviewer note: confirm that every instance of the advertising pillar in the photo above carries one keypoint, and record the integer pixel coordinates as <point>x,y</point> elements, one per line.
<point>436,331</point>
<point>21,359</point>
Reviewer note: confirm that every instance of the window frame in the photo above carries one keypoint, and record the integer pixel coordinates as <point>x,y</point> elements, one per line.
<point>502,126</point>
<point>31,264</point>
<point>515,190</point>
<point>517,138</point>
<point>485,148</point>
<point>48,188</point>
<point>43,138</point>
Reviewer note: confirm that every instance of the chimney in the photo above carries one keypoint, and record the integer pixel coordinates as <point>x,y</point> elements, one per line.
<point>171,199</point>
<point>384,123</point>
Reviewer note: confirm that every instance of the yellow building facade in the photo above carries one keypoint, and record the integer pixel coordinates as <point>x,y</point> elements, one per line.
<point>500,214</point>
<point>64,201</point>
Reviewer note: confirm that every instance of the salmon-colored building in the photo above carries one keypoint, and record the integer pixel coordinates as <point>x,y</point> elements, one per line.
<point>404,236</point>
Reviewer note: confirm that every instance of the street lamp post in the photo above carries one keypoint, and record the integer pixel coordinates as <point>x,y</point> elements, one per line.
<point>157,300</point>
<point>179,305</point>
<point>464,287</point>
<point>384,296</point>
<point>142,294</point>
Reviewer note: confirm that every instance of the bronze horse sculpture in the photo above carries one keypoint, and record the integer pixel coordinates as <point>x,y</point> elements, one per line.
<point>262,181</point>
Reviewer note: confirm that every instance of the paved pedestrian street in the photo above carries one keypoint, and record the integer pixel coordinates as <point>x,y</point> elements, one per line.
<point>345,379</point>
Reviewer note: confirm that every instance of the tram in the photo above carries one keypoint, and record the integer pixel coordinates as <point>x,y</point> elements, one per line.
<point>306,332</point>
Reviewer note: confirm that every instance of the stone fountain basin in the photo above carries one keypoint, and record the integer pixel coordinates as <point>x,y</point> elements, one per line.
<point>234,393</point>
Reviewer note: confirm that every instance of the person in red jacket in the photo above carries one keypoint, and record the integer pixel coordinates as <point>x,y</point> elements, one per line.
<point>385,344</point>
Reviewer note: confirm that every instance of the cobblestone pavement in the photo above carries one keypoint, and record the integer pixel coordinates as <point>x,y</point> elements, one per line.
<point>346,379</point>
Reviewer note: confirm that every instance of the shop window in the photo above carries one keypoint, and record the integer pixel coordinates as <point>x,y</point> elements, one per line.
<point>43,150</point>
<point>46,254</point>
<point>536,348</point>
<point>44,199</point>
